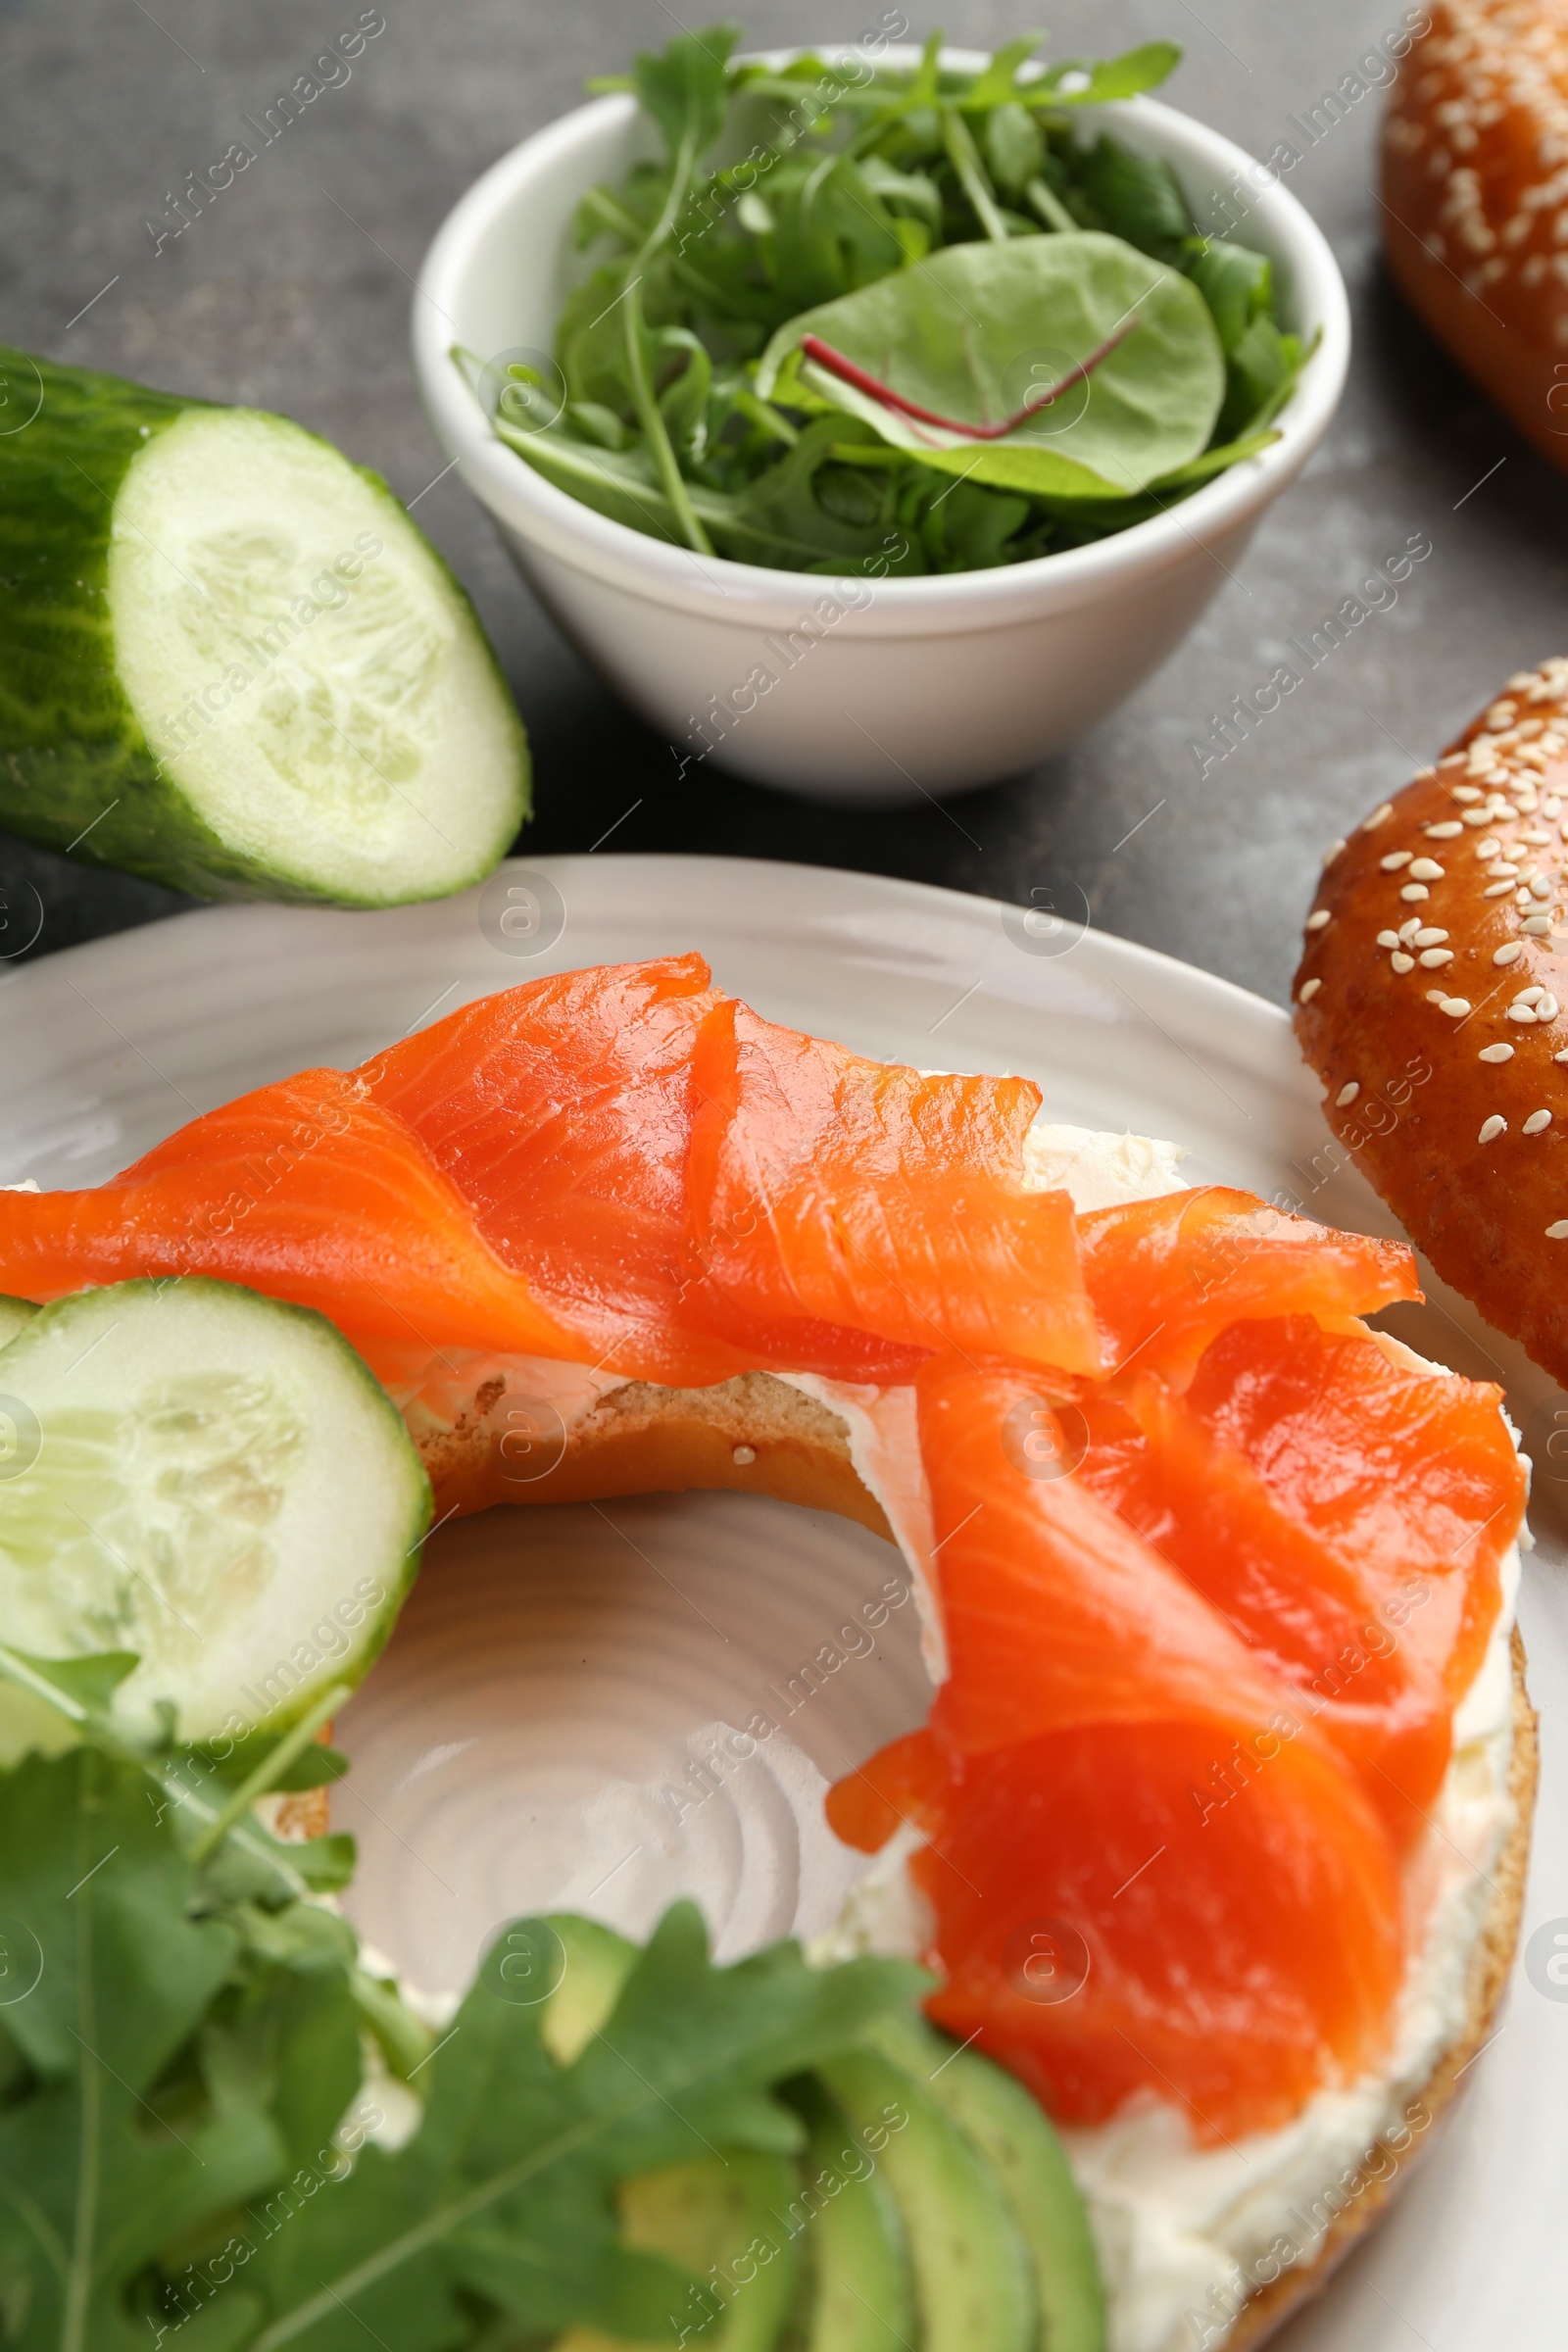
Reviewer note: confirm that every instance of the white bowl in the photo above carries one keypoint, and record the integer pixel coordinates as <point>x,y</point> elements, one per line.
<point>890,689</point>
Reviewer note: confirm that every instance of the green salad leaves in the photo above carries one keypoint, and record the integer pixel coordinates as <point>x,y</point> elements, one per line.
<point>896,321</point>
<point>189,2141</point>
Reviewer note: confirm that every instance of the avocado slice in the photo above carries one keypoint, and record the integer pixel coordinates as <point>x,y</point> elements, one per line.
<point>1009,2128</point>
<point>706,2215</point>
<point>860,2292</point>
<point>596,1963</point>
<point>973,2277</point>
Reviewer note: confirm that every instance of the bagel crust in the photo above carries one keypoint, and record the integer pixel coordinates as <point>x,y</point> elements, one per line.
<point>1429,1001</point>
<point>1386,2170</point>
<point>1475,199</point>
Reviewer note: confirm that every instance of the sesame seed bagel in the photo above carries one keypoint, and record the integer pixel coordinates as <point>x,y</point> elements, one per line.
<point>1475,191</point>
<point>1430,1003</point>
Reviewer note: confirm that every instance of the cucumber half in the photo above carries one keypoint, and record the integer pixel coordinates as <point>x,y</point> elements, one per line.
<point>229,660</point>
<point>208,1479</point>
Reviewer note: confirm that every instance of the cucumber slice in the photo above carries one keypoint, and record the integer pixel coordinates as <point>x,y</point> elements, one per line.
<point>862,2293</point>
<point>1011,2132</point>
<point>973,2280</point>
<point>229,662</point>
<point>214,1481</point>
<point>13,1313</point>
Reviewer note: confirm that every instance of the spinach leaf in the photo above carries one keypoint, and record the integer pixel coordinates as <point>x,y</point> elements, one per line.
<point>964,333</point>
<point>1262,368</point>
<point>1236,284</point>
<point>1135,196</point>
<point>1014,147</point>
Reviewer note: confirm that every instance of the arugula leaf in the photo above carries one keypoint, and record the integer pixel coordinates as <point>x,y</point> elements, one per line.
<point>1097,80</point>
<point>96,2175</point>
<point>963,333</point>
<point>506,2191</point>
<point>997,80</point>
<point>686,86</point>
<point>178,2061</point>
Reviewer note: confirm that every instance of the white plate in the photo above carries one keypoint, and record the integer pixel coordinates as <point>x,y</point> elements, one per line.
<point>559,1674</point>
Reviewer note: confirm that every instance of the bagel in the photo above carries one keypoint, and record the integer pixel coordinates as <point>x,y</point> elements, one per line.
<point>1430,1003</point>
<point>1474,200</point>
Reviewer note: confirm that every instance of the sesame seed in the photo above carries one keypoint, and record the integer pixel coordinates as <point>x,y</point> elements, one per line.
<point>1431,959</point>
<point>1490,1128</point>
<point>1413,890</point>
<point>1509,953</point>
<point>1503,870</point>
<point>1537,839</point>
<point>1391,863</point>
<point>1427,869</point>
<point>1538,926</point>
<point>1498,890</point>
<point>1537,1122</point>
<point>1449,830</point>
<point>1552,805</point>
<point>1401,961</point>
<point>1378,816</point>
<point>1315,922</point>
<point>1521,1012</point>
<point>1547,1010</point>
<point>1455,1006</point>
<point>743,1457</point>
<point>1473,816</point>
<point>1559,1231</point>
<point>1539,887</point>
<point>1308,988</point>
<point>1488,848</point>
<point>1427,937</point>
<point>1347,1094</point>
<point>1495,1053</point>
<point>1388,938</point>
<point>1332,852</point>
<point>1529,996</point>
<point>1461,792</point>
<point>1409,931</point>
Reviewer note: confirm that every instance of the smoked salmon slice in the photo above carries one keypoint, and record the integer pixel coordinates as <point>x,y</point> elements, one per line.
<point>1238,1940</point>
<point>1301,1607</point>
<point>831,1197</point>
<point>561,1112</point>
<point>1168,1275</point>
<point>1407,1472</point>
<point>306,1191</point>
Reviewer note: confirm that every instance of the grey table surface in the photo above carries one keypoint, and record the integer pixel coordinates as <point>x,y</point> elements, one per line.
<point>292,291</point>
